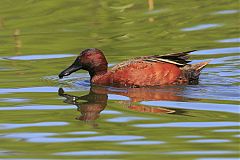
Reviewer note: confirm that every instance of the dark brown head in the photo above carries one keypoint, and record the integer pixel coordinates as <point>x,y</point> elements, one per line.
<point>91,60</point>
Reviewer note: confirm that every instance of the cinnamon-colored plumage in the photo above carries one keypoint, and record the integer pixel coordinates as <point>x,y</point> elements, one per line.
<point>93,103</point>
<point>170,69</point>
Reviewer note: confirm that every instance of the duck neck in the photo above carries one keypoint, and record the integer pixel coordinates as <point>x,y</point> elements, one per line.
<point>95,74</point>
<point>98,69</point>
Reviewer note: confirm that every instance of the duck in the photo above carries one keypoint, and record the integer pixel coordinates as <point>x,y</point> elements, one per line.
<point>143,71</point>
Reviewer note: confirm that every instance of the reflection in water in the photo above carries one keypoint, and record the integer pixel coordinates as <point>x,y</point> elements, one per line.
<point>237,136</point>
<point>82,132</point>
<point>39,124</point>
<point>111,112</point>
<point>18,42</point>
<point>212,152</point>
<point>210,141</point>
<point>39,56</point>
<point>95,101</point>
<point>48,137</point>
<point>42,89</point>
<point>201,27</point>
<point>93,153</point>
<point>36,107</point>
<point>150,8</point>
<point>4,152</point>
<point>231,40</point>
<point>226,130</point>
<point>90,110</point>
<point>126,119</point>
<point>189,136</point>
<point>142,142</point>
<point>197,106</point>
<point>52,137</point>
<point>218,158</point>
<point>27,135</point>
<point>189,124</point>
<point>14,100</point>
<point>107,138</point>
<point>217,51</point>
<point>226,12</point>
<point>1,23</point>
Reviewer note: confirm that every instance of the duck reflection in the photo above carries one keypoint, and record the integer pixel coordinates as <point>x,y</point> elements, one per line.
<point>95,101</point>
<point>90,108</point>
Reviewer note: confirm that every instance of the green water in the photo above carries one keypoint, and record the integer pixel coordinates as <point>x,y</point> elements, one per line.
<point>38,39</point>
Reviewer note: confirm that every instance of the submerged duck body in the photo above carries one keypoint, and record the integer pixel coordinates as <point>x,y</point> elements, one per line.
<point>145,71</point>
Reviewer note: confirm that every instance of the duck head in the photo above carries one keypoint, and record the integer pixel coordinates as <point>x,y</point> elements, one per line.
<point>91,60</point>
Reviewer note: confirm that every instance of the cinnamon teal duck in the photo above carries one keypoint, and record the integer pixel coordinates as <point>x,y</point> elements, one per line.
<point>144,71</point>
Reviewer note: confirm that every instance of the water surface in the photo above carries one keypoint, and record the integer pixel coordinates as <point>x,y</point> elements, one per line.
<point>43,117</point>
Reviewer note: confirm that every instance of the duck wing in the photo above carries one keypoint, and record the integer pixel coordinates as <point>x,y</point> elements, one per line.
<point>179,59</point>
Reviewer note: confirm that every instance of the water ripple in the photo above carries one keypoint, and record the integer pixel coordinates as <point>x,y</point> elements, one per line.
<point>237,136</point>
<point>126,119</point>
<point>219,89</point>
<point>189,136</point>
<point>38,57</point>
<point>46,137</point>
<point>118,97</point>
<point>39,124</point>
<point>106,138</point>
<point>38,107</point>
<point>202,152</point>
<point>188,124</point>
<point>226,12</point>
<point>209,141</point>
<point>231,40</point>
<point>196,106</point>
<point>110,112</point>
<point>91,153</point>
<point>226,130</point>
<point>4,153</point>
<point>82,133</point>
<point>217,51</point>
<point>201,27</point>
<point>14,100</point>
<point>29,89</point>
<point>142,142</point>
<point>219,158</point>
<point>27,135</point>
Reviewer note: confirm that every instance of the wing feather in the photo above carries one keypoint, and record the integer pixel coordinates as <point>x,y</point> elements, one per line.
<point>180,59</point>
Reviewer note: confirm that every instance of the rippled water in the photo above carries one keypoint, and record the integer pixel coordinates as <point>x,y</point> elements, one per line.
<point>43,117</point>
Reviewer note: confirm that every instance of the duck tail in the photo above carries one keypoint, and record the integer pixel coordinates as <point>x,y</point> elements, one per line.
<point>199,66</point>
<point>191,72</point>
